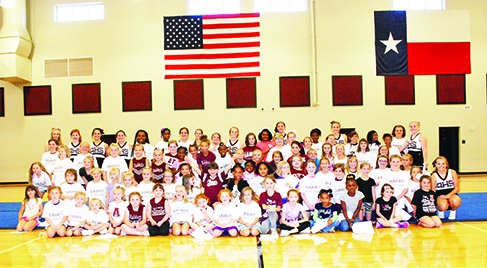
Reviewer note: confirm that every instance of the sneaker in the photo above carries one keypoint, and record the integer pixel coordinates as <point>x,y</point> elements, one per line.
<point>403,224</point>
<point>146,233</point>
<point>378,225</point>
<point>274,232</point>
<point>441,214</point>
<point>453,215</point>
<point>87,232</point>
<point>306,231</point>
<point>285,233</point>
<point>332,230</point>
<point>123,233</point>
<point>104,232</point>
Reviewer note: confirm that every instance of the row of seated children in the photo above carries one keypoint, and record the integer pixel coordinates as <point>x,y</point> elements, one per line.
<point>161,214</point>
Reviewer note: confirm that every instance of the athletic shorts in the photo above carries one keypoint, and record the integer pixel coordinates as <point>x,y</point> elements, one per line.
<point>367,206</point>
<point>225,229</point>
<point>243,227</point>
<point>34,219</point>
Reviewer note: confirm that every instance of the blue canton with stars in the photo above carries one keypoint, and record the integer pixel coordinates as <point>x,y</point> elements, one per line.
<point>183,32</point>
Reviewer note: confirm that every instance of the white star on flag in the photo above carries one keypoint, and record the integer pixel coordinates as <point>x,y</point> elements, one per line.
<point>391,44</point>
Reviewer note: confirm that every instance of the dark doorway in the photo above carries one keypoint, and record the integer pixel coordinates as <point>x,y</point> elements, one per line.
<point>449,145</point>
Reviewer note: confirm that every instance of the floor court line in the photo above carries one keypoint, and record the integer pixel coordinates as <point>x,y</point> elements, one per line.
<point>19,245</point>
<point>473,227</point>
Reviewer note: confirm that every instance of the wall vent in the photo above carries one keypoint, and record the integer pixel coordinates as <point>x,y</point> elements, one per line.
<point>70,67</point>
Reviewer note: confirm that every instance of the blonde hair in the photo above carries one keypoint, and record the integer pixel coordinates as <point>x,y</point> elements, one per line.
<point>236,128</point>
<point>59,141</point>
<point>93,170</point>
<point>121,189</point>
<point>255,197</point>
<point>31,173</point>
<point>55,188</point>
<point>280,165</point>
<point>114,145</point>
<point>66,149</point>
<point>96,200</point>
<point>185,193</point>
<point>131,175</point>
<point>80,193</point>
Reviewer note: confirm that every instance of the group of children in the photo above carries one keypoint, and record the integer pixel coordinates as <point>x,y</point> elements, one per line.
<point>183,190</point>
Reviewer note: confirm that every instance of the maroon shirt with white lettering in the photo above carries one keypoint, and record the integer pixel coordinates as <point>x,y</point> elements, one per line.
<point>213,186</point>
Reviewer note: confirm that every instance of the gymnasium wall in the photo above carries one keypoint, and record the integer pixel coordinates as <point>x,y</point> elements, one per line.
<point>127,46</point>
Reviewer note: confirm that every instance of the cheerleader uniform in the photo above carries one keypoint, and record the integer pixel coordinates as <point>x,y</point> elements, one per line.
<point>415,149</point>
<point>444,185</point>
<point>137,166</point>
<point>98,152</point>
<point>125,152</point>
<point>74,150</point>
<point>158,211</point>
<point>158,171</point>
<point>234,146</point>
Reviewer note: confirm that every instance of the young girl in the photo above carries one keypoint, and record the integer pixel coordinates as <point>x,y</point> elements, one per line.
<point>271,203</point>
<point>74,144</point>
<point>202,214</point>
<point>336,127</point>
<point>386,209</point>
<point>249,213</point>
<point>341,156</point>
<point>215,142</point>
<point>445,182</point>
<point>338,184</point>
<point>250,146</point>
<point>380,170</point>
<point>413,185</point>
<point>135,218</point>
<point>257,182</point>
<point>84,151</point>
<point>198,133</point>
<point>399,180</point>
<point>213,181</point>
<point>309,188</point>
<point>406,161</point>
<point>223,158</point>
<point>145,187</point>
<point>237,183</point>
<point>364,154</point>
<point>181,212</point>
<point>193,150</point>
<point>62,164</point>
<point>71,186</point>
<point>77,215</point>
<point>294,217</point>
<point>424,204</point>
<point>55,213</point>
<point>296,167</point>
<point>139,162</point>
<point>234,143</point>
<point>192,190</point>
<point>113,160</point>
<point>265,141</point>
<point>97,188</point>
<point>324,174</point>
<point>184,135</point>
<point>50,157</point>
<point>325,214</point>
<point>171,158</point>
<point>257,156</point>
<point>158,166</point>
<point>249,172</point>
<point>398,133</point>
<point>116,210</point>
<point>351,202</point>
<point>276,158</point>
<point>97,221</point>
<point>98,148</point>
<point>279,148</point>
<point>366,185</point>
<point>285,180</point>
<point>315,135</point>
<point>280,129</point>
<point>353,166</point>
<point>225,215</point>
<point>129,184</point>
<point>373,141</point>
<point>158,212</point>
<point>114,175</point>
<point>30,210</point>
<point>327,151</point>
<point>352,145</point>
<point>165,136</point>
<point>55,135</point>
<point>39,177</point>
<point>169,185</point>
<point>142,138</point>
<point>313,156</point>
<point>307,142</point>
<point>296,150</point>
<point>124,147</point>
<point>85,171</point>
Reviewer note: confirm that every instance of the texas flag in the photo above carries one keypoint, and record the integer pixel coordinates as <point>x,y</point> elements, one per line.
<point>422,42</point>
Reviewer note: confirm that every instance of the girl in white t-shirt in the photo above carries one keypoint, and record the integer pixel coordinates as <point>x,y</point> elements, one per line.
<point>181,212</point>
<point>30,210</point>
<point>116,210</point>
<point>55,213</point>
<point>39,177</point>
<point>225,216</point>
<point>249,213</point>
<point>97,221</point>
<point>77,214</point>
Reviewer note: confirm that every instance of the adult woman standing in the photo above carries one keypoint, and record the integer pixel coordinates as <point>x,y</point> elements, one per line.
<point>417,146</point>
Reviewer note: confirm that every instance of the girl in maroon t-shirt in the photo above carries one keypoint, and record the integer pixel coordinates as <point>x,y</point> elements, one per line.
<point>158,212</point>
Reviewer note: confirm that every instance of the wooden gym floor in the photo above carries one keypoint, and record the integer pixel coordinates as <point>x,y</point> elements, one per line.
<point>455,244</point>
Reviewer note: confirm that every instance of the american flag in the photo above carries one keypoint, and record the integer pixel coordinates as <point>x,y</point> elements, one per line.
<point>212,46</point>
